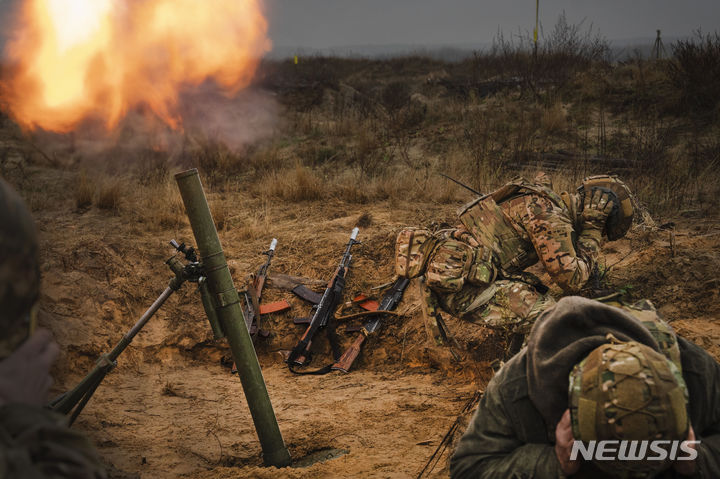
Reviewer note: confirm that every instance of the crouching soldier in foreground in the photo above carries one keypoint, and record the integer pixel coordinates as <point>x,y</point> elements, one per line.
<point>477,271</point>
<point>34,442</point>
<point>615,378</point>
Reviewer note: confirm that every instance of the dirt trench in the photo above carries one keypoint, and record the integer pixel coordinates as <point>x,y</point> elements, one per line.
<point>170,409</point>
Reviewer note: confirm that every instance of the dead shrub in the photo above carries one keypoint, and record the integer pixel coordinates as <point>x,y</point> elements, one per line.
<point>160,205</point>
<point>220,213</point>
<point>247,232</point>
<point>364,220</point>
<point>299,184</point>
<point>110,195</point>
<point>153,167</point>
<point>216,161</point>
<point>695,70</point>
<point>265,159</point>
<point>84,192</point>
<point>553,120</point>
<point>395,95</point>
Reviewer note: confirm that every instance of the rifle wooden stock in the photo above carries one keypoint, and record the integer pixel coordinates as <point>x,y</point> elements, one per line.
<point>350,355</point>
<point>302,359</point>
<point>259,284</point>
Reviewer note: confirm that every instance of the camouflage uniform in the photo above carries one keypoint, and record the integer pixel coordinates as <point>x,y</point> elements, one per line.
<point>512,433</point>
<point>500,236</point>
<point>523,223</point>
<point>35,443</point>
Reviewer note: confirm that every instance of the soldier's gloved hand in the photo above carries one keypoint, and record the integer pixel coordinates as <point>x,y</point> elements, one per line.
<point>563,445</point>
<point>25,375</point>
<point>687,468</point>
<point>598,205</point>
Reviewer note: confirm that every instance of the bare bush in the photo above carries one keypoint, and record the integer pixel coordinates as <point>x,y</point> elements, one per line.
<point>695,70</point>
<point>153,167</point>
<point>511,61</point>
<point>553,120</point>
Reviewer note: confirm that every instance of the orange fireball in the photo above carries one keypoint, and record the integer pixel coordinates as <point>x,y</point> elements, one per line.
<point>71,60</point>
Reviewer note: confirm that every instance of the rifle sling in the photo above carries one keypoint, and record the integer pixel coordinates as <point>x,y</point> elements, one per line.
<point>334,345</point>
<point>317,372</point>
<point>362,314</point>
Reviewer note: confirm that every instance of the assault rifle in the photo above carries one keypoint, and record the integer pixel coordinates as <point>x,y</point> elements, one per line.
<point>324,316</point>
<point>251,309</point>
<point>251,299</point>
<point>388,303</point>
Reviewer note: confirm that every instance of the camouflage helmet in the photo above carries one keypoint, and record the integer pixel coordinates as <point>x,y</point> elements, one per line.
<point>19,269</point>
<point>628,391</point>
<point>621,217</point>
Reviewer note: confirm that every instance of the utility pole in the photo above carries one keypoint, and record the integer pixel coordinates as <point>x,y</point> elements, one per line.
<point>658,50</point>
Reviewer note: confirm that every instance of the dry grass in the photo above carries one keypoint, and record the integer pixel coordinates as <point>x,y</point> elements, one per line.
<point>298,184</point>
<point>553,120</point>
<point>84,191</point>
<point>160,206</point>
<point>220,211</point>
<point>110,195</point>
<point>364,131</point>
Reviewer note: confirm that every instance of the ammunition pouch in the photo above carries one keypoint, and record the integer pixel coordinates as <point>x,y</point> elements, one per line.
<point>448,266</point>
<point>412,250</point>
<point>453,263</point>
<point>482,270</point>
<point>487,223</point>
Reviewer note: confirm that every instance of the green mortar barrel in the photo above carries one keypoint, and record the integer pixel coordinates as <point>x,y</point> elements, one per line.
<point>229,313</point>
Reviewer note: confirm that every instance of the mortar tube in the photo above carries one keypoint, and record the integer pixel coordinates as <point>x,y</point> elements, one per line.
<point>229,312</point>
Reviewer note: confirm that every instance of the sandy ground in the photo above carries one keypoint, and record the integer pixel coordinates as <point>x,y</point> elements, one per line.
<point>170,409</point>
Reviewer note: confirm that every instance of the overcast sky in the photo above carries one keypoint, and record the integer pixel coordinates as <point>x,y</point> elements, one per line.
<point>327,24</point>
<point>338,23</point>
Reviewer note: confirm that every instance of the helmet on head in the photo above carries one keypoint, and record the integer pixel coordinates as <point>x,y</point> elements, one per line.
<point>19,269</point>
<point>628,391</point>
<point>620,220</point>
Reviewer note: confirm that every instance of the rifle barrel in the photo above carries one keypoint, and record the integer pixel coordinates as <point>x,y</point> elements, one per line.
<point>461,184</point>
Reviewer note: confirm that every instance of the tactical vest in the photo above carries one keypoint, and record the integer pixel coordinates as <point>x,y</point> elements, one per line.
<point>446,262</point>
<point>491,227</point>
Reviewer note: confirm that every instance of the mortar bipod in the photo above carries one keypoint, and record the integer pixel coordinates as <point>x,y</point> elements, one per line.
<point>72,402</point>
